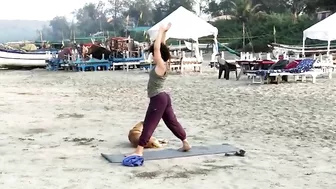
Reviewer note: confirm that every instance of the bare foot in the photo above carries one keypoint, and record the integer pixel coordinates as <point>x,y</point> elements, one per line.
<point>138,152</point>
<point>185,147</point>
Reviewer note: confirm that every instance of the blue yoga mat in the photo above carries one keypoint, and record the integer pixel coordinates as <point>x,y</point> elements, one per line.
<point>226,149</point>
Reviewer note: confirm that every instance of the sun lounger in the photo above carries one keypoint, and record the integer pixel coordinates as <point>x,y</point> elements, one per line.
<point>325,67</point>
<point>264,74</point>
<point>303,75</point>
<point>303,69</point>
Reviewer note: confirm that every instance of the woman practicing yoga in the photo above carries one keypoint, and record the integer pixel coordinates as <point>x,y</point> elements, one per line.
<point>160,102</point>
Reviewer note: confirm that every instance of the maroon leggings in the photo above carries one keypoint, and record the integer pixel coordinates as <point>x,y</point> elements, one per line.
<point>160,107</point>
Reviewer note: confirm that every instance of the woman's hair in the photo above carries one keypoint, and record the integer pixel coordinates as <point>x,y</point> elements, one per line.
<point>165,53</point>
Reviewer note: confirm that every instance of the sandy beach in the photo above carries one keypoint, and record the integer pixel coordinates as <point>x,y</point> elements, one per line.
<point>54,125</point>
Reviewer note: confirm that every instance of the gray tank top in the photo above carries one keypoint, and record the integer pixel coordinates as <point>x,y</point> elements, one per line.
<point>155,83</point>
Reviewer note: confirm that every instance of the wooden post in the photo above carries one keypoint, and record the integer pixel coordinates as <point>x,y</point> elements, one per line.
<point>243,35</point>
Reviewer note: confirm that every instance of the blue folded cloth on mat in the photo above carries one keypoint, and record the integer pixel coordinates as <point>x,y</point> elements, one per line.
<point>133,161</point>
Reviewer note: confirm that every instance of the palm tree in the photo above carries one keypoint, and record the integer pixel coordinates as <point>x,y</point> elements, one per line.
<point>244,10</point>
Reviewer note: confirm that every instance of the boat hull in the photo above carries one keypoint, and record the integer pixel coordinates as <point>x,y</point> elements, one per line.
<point>12,62</point>
<point>25,55</point>
<point>298,49</point>
<point>10,58</point>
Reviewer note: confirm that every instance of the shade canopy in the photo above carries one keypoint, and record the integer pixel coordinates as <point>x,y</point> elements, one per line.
<point>185,25</point>
<point>324,30</point>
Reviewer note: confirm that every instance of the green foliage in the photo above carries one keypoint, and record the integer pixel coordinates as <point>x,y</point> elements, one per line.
<point>164,8</point>
<point>320,5</point>
<point>60,29</point>
<point>137,36</point>
<point>259,31</point>
<point>91,18</point>
<point>116,15</point>
<point>224,7</point>
<point>259,16</point>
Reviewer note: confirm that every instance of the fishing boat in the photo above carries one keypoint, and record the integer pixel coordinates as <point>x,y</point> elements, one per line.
<point>282,48</point>
<point>16,58</point>
<point>11,57</point>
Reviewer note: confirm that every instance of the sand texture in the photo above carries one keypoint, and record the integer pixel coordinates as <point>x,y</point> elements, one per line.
<point>54,125</point>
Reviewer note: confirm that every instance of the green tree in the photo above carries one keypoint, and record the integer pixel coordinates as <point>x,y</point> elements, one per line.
<point>160,11</point>
<point>115,12</point>
<point>267,6</point>
<point>60,28</point>
<point>175,4</point>
<point>164,8</point>
<point>91,18</point>
<point>296,7</point>
<point>46,33</point>
<point>261,31</point>
<point>320,5</point>
<point>224,7</point>
<point>141,12</point>
<point>244,10</point>
<point>117,8</point>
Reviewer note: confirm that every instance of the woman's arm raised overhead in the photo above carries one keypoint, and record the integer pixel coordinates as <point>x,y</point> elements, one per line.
<point>160,67</point>
<point>163,37</point>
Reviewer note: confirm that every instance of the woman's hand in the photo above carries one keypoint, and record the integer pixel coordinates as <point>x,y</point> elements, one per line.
<point>165,28</point>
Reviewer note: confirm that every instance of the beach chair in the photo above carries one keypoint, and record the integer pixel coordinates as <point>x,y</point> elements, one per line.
<point>190,63</point>
<point>263,74</point>
<point>325,65</point>
<point>175,64</point>
<point>303,69</point>
<point>226,67</point>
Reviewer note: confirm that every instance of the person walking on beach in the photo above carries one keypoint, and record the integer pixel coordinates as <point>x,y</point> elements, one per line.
<point>160,103</point>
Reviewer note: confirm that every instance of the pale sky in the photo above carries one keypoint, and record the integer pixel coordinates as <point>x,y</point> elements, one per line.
<point>39,9</point>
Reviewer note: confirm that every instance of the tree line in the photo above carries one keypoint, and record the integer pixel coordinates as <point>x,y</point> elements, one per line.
<point>114,16</point>
<point>258,17</point>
